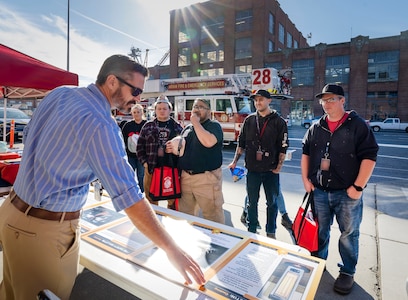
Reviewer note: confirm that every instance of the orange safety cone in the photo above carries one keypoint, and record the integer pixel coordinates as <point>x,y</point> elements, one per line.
<point>12,134</point>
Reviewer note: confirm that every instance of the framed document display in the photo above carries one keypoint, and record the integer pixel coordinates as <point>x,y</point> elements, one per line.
<point>258,270</point>
<point>97,216</point>
<point>207,245</point>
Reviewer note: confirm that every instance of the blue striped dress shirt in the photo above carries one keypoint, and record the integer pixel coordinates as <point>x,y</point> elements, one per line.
<point>71,140</point>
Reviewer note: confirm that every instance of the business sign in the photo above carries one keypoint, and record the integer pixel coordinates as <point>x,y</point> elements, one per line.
<point>193,85</point>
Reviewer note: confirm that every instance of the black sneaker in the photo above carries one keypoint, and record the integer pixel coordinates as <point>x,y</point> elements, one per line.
<point>286,222</point>
<point>343,284</point>
<point>244,218</point>
<point>271,235</point>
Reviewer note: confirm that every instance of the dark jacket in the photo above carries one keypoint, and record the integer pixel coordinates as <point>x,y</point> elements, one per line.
<point>128,129</point>
<point>271,136</point>
<point>349,144</point>
<point>148,143</point>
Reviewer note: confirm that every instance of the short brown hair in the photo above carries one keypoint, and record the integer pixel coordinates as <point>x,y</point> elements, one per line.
<point>120,65</point>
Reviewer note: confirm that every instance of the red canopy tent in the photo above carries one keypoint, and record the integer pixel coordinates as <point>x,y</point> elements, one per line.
<point>23,75</point>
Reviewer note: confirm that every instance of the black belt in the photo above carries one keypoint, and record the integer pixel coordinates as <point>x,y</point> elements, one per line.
<point>42,213</point>
<point>191,172</point>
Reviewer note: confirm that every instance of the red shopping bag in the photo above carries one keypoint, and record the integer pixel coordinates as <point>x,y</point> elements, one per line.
<point>165,184</point>
<point>305,227</point>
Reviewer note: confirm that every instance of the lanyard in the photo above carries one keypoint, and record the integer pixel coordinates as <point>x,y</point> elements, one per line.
<point>326,154</point>
<point>262,131</point>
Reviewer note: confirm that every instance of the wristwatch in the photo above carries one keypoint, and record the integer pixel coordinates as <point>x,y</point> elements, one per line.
<point>358,188</point>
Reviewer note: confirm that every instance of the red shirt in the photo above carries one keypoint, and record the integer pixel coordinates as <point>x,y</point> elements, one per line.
<point>334,125</point>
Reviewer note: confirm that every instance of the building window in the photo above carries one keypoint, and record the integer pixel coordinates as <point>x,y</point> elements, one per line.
<point>243,48</point>
<point>303,72</point>
<point>184,57</point>
<point>212,72</point>
<point>275,65</point>
<point>213,28</point>
<point>243,20</point>
<point>211,53</point>
<point>382,105</point>
<point>270,46</point>
<point>337,69</point>
<point>271,26</point>
<point>184,35</point>
<point>295,44</point>
<point>243,69</point>
<point>184,74</point>
<point>383,66</point>
<point>281,33</point>
<point>288,40</point>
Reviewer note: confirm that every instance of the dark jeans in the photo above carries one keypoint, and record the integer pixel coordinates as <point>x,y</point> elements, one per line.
<point>270,182</point>
<point>139,169</point>
<point>348,213</point>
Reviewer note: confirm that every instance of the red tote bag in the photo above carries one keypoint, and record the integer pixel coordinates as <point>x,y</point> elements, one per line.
<point>305,227</point>
<point>165,184</point>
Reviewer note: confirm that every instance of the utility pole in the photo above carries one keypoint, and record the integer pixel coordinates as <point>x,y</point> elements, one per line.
<point>68,38</point>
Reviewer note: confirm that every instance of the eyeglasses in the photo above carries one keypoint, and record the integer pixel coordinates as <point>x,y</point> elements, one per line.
<point>135,90</point>
<point>199,107</point>
<point>329,100</point>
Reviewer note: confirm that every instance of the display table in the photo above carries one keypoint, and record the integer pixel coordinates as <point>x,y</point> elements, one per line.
<point>136,267</point>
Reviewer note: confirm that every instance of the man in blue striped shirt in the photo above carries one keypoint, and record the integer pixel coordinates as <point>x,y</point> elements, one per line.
<point>70,141</point>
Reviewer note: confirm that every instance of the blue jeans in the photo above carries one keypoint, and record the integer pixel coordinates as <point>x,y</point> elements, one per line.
<point>280,202</point>
<point>349,213</point>
<point>270,182</point>
<point>139,169</point>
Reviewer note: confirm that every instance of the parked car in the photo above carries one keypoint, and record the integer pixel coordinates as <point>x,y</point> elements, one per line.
<point>309,122</point>
<point>20,121</point>
<point>389,124</point>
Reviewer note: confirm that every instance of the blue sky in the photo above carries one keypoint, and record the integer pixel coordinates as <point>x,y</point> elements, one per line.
<point>100,28</point>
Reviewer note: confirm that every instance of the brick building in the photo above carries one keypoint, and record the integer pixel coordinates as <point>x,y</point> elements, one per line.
<point>235,36</point>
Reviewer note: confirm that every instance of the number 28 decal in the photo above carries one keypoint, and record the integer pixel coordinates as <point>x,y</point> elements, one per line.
<point>263,76</point>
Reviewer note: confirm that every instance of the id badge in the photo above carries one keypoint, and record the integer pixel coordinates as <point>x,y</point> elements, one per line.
<point>325,163</point>
<point>160,152</point>
<point>259,155</point>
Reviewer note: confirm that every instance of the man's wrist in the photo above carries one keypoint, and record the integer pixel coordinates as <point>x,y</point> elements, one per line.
<point>359,188</point>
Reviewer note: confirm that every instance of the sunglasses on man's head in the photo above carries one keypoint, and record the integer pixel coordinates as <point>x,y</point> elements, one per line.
<point>135,90</point>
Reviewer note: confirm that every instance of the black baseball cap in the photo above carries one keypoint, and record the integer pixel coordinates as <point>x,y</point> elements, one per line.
<point>262,93</point>
<point>331,89</point>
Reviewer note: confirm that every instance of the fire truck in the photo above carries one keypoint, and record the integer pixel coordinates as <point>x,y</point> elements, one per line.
<point>228,96</point>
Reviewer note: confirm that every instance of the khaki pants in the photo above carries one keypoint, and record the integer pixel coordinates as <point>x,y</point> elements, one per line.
<point>203,191</point>
<point>147,182</point>
<point>37,254</point>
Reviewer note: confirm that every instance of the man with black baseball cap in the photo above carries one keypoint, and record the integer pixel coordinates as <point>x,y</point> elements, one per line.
<point>263,137</point>
<point>331,89</point>
<point>262,93</point>
<point>280,201</point>
<point>339,155</point>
